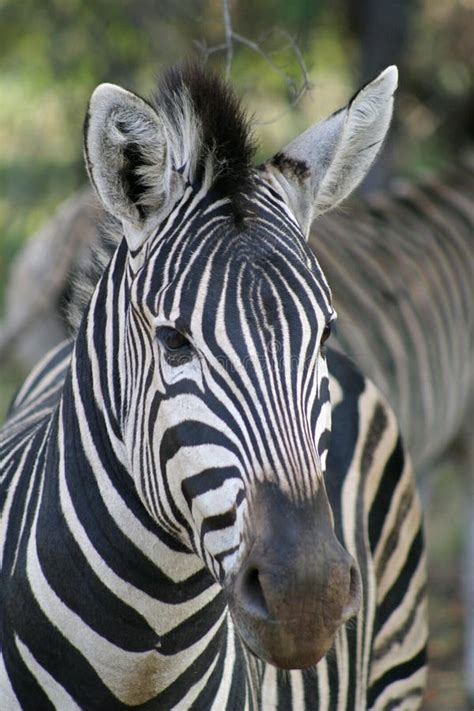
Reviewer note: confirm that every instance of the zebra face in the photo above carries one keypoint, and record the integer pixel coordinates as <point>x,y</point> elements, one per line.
<point>224,391</point>
<point>235,380</point>
<point>233,395</point>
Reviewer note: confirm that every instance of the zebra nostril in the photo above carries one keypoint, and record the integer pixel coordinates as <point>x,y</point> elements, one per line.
<point>352,605</point>
<point>252,594</point>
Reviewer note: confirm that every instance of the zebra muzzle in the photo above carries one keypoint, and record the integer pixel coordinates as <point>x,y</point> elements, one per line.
<point>297,585</point>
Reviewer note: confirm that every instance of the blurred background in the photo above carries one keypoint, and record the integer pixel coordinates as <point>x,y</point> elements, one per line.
<point>294,62</point>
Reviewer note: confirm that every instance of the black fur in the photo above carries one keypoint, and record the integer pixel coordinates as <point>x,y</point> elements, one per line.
<point>133,186</point>
<point>298,168</point>
<point>226,129</point>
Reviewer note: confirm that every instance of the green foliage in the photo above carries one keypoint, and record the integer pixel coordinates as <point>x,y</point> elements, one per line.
<point>54,52</point>
<point>10,381</point>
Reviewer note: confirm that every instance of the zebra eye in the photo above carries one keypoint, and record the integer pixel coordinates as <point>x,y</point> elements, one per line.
<point>177,347</point>
<point>174,340</point>
<point>326,333</point>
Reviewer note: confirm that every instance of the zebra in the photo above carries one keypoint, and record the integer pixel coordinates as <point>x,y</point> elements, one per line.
<point>197,493</point>
<point>410,328</point>
<point>411,325</point>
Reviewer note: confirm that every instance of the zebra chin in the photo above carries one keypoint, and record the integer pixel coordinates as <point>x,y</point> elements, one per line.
<point>285,646</point>
<point>297,585</point>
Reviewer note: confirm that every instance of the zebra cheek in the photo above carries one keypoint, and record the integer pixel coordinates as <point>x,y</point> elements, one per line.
<point>218,515</point>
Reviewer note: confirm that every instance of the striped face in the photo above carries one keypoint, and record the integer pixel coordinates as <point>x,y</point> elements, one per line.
<point>226,380</point>
<point>225,409</point>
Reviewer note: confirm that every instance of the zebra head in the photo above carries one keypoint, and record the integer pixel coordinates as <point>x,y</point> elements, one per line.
<point>218,312</point>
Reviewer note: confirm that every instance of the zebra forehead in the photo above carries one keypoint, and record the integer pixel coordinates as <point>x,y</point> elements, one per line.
<point>256,242</point>
<point>265,270</point>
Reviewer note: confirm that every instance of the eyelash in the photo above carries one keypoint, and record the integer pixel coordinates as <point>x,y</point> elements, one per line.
<point>326,334</point>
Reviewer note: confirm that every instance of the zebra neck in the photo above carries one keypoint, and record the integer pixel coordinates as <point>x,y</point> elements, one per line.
<point>166,623</point>
<point>133,612</point>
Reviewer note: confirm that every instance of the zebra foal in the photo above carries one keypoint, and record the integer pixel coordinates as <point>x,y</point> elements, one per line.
<point>194,491</point>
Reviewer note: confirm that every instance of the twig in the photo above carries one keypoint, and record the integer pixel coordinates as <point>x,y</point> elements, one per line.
<point>297,91</point>
<point>228,36</point>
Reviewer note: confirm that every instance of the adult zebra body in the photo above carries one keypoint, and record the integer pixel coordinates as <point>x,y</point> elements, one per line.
<point>164,509</point>
<point>401,269</point>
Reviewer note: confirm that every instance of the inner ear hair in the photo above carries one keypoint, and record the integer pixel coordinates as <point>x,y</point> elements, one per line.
<point>133,184</point>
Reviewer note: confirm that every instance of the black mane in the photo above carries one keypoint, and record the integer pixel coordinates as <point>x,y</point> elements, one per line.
<point>225,126</point>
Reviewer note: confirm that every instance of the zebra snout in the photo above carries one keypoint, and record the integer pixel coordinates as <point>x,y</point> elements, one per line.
<point>296,587</point>
<point>289,612</point>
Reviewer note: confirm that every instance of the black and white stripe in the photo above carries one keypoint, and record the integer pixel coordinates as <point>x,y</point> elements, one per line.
<point>119,590</point>
<point>401,269</point>
<point>141,462</point>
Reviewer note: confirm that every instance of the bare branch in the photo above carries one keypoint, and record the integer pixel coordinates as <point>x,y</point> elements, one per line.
<point>296,89</point>
<point>256,48</point>
<point>228,36</point>
<point>206,51</point>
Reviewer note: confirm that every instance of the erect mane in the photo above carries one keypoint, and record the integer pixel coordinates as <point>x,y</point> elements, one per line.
<point>206,116</point>
<point>226,145</point>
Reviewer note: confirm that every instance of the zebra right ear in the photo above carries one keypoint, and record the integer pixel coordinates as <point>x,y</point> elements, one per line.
<point>125,145</point>
<point>326,163</point>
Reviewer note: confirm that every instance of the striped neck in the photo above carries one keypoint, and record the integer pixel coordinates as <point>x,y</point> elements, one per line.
<point>159,585</point>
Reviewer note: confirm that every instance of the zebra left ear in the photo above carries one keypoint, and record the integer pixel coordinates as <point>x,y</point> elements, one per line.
<point>128,153</point>
<point>326,163</point>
